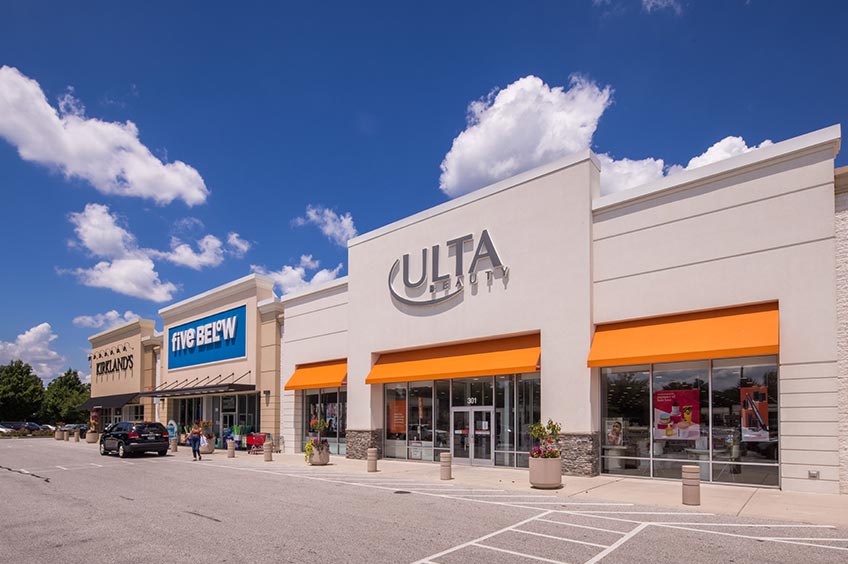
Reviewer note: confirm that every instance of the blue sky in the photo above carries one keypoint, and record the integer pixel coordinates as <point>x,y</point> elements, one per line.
<point>266,134</point>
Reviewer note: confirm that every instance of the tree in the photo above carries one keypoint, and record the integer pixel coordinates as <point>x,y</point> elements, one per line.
<point>63,397</point>
<point>21,391</point>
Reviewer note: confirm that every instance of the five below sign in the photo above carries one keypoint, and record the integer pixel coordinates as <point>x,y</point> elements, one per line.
<point>426,290</point>
<point>209,339</point>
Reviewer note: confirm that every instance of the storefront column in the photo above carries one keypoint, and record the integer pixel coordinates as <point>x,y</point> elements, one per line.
<point>269,369</point>
<point>365,410</point>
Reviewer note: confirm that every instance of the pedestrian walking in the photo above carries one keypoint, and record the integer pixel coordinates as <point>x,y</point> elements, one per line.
<point>194,441</point>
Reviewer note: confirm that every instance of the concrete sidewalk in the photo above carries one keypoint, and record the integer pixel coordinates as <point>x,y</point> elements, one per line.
<point>745,501</point>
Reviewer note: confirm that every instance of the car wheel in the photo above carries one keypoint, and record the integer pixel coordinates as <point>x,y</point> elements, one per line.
<point>103,450</point>
<point>162,452</point>
<point>122,451</point>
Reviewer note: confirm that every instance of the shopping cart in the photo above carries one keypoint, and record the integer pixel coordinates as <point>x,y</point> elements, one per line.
<point>255,443</point>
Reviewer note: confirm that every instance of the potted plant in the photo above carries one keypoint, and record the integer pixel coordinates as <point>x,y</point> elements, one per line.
<point>209,446</point>
<point>317,450</point>
<point>237,431</point>
<point>545,461</point>
<point>92,436</point>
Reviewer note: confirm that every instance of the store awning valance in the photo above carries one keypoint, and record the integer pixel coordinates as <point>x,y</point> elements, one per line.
<point>723,333</point>
<point>328,374</point>
<point>200,390</point>
<point>116,401</point>
<point>512,355</point>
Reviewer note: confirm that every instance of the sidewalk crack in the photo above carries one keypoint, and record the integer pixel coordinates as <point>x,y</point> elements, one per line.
<point>747,501</point>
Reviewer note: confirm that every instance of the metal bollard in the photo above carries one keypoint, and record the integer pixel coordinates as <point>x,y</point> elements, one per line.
<point>445,461</point>
<point>65,435</point>
<point>76,436</point>
<point>174,442</point>
<point>691,484</point>
<point>231,449</point>
<point>268,448</point>
<point>372,459</point>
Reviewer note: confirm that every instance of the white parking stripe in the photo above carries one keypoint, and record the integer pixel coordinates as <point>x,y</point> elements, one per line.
<point>614,546</point>
<point>756,537</point>
<point>61,467</point>
<point>583,526</point>
<point>559,538</point>
<point>523,555</point>
<point>744,525</point>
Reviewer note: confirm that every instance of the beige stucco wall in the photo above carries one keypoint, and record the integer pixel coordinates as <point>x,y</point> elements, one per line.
<point>122,381</point>
<point>540,224</point>
<point>840,386</point>
<point>755,234</point>
<point>315,329</point>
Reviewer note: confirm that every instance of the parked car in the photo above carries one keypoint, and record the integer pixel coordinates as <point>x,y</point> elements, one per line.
<point>5,430</point>
<point>71,427</point>
<point>13,425</point>
<point>48,427</point>
<point>29,425</point>
<point>127,437</point>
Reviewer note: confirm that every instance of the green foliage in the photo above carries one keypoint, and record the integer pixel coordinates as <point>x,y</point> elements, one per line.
<point>63,397</point>
<point>21,391</point>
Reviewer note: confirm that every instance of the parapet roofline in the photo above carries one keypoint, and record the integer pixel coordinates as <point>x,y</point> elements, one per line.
<point>314,290</point>
<point>124,328</point>
<point>230,288</point>
<point>464,200</point>
<point>823,137</point>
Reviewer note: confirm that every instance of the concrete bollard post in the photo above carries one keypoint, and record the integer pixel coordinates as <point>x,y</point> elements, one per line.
<point>445,462</point>
<point>57,434</point>
<point>372,459</point>
<point>231,448</point>
<point>174,443</point>
<point>268,448</point>
<point>691,484</point>
<point>65,436</point>
<point>76,436</point>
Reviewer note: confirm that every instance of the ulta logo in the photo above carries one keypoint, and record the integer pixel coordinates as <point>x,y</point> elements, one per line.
<point>485,255</point>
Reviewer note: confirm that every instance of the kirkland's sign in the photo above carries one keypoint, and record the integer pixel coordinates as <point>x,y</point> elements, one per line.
<point>210,339</point>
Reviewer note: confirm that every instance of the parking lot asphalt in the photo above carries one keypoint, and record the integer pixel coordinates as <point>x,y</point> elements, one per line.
<point>63,502</point>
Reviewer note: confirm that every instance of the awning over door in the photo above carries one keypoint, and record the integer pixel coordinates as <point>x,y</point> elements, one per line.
<point>116,402</point>
<point>482,358</point>
<point>200,390</point>
<point>723,333</point>
<point>328,374</point>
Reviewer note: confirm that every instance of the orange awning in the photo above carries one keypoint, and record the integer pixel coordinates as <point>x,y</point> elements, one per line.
<point>328,374</point>
<point>723,333</point>
<point>482,358</point>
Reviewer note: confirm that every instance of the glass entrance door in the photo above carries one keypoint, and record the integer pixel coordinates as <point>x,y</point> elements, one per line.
<point>471,431</point>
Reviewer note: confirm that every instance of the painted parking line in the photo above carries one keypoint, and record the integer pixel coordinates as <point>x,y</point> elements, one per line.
<point>583,526</point>
<point>615,546</point>
<point>521,554</point>
<point>564,539</point>
<point>61,467</point>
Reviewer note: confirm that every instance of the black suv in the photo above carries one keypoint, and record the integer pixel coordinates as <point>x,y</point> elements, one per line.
<point>128,437</point>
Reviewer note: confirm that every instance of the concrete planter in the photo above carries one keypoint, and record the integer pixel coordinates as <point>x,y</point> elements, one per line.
<point>546,473</point>
<point>320,456</point>
<point>57,435</point>
<point>209,448</point>
<point>92,437</point>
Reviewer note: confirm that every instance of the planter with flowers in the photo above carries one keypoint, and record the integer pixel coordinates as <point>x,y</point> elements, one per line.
<point>209,446</point>
<point>92,436</point>
<point>317,450</point>
<point>545,461</point>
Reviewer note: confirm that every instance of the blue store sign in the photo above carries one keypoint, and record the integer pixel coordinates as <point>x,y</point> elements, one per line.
<point>209,339</point>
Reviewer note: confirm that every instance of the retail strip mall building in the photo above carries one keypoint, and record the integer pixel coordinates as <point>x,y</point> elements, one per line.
<point>699,319</point>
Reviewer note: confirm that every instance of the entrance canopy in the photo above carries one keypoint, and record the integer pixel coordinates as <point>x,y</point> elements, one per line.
<point>200,390</point>
<point>723,333</point>
<point>115,402</point>
<point>512,355</point>
<point>328,374</point>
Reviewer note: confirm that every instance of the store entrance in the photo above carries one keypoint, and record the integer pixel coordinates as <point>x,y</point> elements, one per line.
<point>471,429</point>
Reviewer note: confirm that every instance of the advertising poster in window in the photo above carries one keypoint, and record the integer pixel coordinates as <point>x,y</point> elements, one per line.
<point>397,417</point>
<point>614,427</point>
<point>754,400</point>
<point>677,415</point>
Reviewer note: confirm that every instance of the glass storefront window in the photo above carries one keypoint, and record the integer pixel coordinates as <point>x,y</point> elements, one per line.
<point>472,391</point>
<point>745,410</point>
<point>681,410</point>
<point>442,398</point>
<point>626,412</point>
<point>504,416</point>
<point>528,410</point>
<point>720,414</point>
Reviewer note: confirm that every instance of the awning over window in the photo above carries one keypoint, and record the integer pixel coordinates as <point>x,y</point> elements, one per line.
<point>723,333</point>
<point>328,374</point>
<point>483,358</point>
<point>116,402</point>
<point>200,390</point>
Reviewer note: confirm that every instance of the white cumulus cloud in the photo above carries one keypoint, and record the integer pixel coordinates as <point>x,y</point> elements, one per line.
<point>657,5</point>
<point>338,228</point>
<point>33,347</point>
<point>294,278</point>
<point>111,318</point>
<point>238,247</point>
<point>108,155</point>
<point>210,253</point>
<point>526,124</point>
<point>728,147</point>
